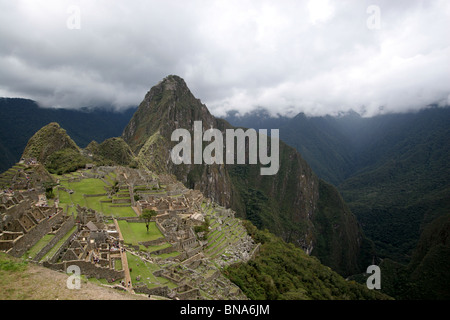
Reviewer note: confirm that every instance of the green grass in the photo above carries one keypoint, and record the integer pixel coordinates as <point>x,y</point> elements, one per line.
<point>134,232</point>
<point>111,177</point>
<point>168,255</point>
<point>10,264</point>
<point>143,269</point>
<point>94,203</point>
<point>58,244</point>
<point>118,264</point>
<point>119,211</point>
<point>39,246</point>
<point>85,186</point>
<point>155,248</point>
<point>90,186</point>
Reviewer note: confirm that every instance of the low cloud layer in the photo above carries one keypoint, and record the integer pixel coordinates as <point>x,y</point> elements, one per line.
<point>318,57</point>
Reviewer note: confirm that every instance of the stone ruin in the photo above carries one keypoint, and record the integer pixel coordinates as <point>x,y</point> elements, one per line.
<point>23,222</point>
<point>95,247</point>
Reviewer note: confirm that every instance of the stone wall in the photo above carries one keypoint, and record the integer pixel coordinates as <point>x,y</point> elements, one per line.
<point>121,200</point>
<point>65,227</point>
<point>191,294</point>
<point>17,210</point>
<point>165,250</point>
<point>33,235</point>
<point>255,251</point>
<point>88,269</point>
<point>94,195</point>
<point>8,238</point>
<point>155,242</point>
<point>62,248</point>
<point>193,261</point>
<point>189,243</point>
<point>157,291</point>
<point>193,252</point>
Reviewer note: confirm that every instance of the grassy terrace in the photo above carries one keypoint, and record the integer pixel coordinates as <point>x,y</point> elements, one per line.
<point>144,270</point>
<point>58,245</point>
<point>135,232</point>
<point>219,240</point>
<point>39,246</point>
<point>90,186</point>
<point>6,176</point>
<point>111,177</point>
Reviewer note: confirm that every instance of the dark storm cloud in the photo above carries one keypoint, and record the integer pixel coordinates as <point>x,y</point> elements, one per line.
<point>312,56</point>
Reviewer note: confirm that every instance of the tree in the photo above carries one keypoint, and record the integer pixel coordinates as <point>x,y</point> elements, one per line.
<point>49,189</point>
<point>147,215</point>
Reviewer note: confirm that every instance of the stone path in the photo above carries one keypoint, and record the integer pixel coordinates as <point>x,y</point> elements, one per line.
<point>123,255</point>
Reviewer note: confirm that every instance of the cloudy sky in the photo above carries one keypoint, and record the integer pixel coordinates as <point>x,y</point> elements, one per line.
<point>318,56</point>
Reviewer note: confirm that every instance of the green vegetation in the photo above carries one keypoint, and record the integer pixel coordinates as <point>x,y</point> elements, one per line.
<point>55,248</point>
<point>135,232</point>
<point>147,215</point>
<point>48,140</point>
<point>335,248</point>
<point>278,210</point>
<point>91,186</point>
<point>144,270</point>
<point>39,246</point>
<point>282,271</point>
<point>65,161</point>
<point>20,119</point>
<point>60,154</point>
<point>392,171</point>
<point>112,151</point>
<point>203,228</point>
<point>10,264</point>
<point>278,202</point>
<point>426,277</point>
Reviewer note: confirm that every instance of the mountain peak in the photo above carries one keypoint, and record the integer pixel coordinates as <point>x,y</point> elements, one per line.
<point>48,140</point>
<point>170,86</point>
<point>167,106</point>
<point>173,82</point>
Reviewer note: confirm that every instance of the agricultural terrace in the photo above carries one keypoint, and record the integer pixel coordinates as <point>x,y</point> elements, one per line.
<point>91,193</point>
